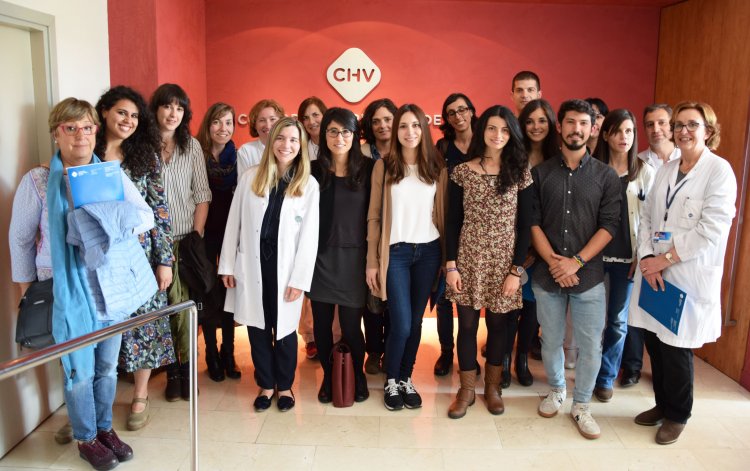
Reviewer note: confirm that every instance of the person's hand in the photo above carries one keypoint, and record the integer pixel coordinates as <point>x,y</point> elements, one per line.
<point>563,267</point>
<point>655,281</point>
<point>24,286</point>
<point>652,265</point>
<point>453,280</point>
<point>530,259</point>
<point>568,281</point>
<point>292,294</point>
<point>511,285</point>
<point>371,276</point>
<point>631,272</point>
<point>163,277</point>
<point>228,281</point>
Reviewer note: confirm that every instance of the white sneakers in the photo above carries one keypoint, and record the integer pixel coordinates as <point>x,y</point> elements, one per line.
<point>586,424</point>
<point>580,413</point>
<point>552,403</point>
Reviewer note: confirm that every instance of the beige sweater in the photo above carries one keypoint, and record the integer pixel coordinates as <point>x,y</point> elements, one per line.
<point>379,221</point>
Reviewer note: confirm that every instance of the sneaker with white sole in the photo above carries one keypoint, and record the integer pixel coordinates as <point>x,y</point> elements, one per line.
<point>551,404</point>
<point>412,399</point>
<point>392,396</point>
<point>586,424</point>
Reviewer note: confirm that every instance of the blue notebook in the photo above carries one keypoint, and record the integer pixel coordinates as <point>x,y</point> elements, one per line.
<point>664,306</point>
<point>95,183</point>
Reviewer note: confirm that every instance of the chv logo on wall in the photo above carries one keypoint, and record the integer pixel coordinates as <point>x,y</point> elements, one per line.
<point>353,75</point>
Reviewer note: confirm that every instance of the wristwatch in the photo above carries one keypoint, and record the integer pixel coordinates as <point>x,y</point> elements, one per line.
<point>516,270</point>
<point>670,258</point>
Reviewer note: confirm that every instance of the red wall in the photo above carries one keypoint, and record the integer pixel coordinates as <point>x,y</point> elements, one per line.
<point>156,41</point>
<point>426,50</point>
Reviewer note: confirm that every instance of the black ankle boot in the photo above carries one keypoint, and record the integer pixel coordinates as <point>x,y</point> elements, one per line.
<point>444,363</point>
<point>227,360</point>
<point>172,393</point>
<point>215,368</point>
<point>522,369</point>
<point>185,381</point>
<point>505,375</point>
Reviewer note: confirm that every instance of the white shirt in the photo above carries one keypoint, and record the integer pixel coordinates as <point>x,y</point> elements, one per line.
<point>411,210</point>
<point>652,158</point>
<point>249,155</point>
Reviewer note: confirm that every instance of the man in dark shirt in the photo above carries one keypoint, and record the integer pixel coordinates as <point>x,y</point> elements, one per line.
<point>576,213</point>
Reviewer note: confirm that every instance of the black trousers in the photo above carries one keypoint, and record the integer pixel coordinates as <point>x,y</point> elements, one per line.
<point>214,303</point>
<point>376,330</point>
<point>632,352</point>
<point>672,370</point>
<point>275,359</point>
<point>466,341</point>
<point>522,321</point>
<point>350,320</point>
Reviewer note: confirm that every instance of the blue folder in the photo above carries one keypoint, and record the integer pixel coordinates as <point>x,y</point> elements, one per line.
<point>96,183</point>
<point>664,306</point>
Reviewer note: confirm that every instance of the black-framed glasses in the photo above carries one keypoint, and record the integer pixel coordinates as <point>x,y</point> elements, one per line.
<point>69,130</point>
<point>460,110</point>
<point>691,126</point>
<point>333,133</point>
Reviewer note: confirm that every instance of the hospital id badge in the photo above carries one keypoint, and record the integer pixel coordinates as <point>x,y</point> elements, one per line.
<point>662,237</point>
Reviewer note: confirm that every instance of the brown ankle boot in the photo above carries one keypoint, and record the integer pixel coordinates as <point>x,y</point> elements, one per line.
<point>492,392</point>
<point>465,396</point>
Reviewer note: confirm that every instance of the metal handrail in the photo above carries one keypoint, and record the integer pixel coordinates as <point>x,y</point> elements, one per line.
<point>38,357</point>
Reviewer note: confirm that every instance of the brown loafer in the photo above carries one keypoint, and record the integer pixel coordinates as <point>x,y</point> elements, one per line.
<point>603,394</point>
<point>121,450</point>
<point>651,417</point>
<point>669,432</point>
<point>97,455</point>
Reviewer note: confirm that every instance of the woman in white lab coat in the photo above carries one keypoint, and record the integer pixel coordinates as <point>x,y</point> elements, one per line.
<point>682,239</point>
<point>268,257</point>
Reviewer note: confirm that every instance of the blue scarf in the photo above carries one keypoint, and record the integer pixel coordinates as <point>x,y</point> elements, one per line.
<point>222,175</point>
<point>73,312</point>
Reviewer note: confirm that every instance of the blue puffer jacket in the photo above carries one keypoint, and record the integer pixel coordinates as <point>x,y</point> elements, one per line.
<point>120,277</point>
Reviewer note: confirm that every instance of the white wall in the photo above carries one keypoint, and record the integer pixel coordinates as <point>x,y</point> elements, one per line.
<point>82,45</point>
<point>81,69</point>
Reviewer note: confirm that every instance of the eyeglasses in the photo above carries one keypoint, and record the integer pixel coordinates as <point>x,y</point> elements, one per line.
<point>333,133</point>
<point>69,130</point>
<point>691,126</point>
<point>460,110</point>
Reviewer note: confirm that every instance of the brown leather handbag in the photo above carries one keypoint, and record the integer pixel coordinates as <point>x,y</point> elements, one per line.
<point>342,376</point>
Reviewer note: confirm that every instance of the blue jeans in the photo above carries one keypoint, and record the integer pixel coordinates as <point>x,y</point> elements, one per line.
<point>588,312</point>
<point>90,401</point>
<point>613,342</point>
<point>412,269</point>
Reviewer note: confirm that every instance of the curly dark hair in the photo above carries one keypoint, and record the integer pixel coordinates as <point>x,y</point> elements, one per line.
<point>365,124</point>
<point>355,166</point>
<point>140,150</point>
<point>448,132</point>
<point>513,158</point>
<point>166,94</point>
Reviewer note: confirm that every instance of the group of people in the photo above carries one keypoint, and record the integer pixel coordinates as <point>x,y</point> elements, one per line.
<point>520,213</point>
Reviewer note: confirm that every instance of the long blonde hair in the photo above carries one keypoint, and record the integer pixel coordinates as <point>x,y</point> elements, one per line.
<point>268,177</point>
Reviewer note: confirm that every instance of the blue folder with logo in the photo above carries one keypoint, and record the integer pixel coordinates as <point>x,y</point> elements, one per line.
<point>664,306</point>
<point>96,183</point>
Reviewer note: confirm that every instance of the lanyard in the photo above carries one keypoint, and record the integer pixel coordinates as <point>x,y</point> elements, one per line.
<point>671,200</point>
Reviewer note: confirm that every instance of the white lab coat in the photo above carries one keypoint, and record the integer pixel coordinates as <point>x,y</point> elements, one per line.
<point>699,220</point>
<point>297,250</point>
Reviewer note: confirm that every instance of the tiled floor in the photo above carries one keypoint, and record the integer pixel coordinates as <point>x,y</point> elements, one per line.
<point>366,436</point>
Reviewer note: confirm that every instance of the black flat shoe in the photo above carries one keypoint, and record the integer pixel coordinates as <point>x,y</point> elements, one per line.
<point>284,403</point>
<point>444,363</point>
<point>361,392</point>
<point>630,378</point>
<point>262,402</point>
<point>324,394</point>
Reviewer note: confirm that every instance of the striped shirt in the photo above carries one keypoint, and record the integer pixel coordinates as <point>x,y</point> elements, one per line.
<point>186,185</point>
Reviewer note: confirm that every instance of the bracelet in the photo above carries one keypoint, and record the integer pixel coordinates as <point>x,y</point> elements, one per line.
<point>448,270</point>
<point>579,260</point>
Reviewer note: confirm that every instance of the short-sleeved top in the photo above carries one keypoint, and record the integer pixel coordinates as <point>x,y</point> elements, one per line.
<point>487,241</point>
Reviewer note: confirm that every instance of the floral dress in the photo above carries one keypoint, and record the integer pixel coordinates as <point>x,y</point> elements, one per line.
<point>150,345</point>
<point>487,241</point>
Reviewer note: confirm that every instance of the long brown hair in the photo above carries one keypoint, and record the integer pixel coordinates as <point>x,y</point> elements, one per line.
<point>268,171</point>
<point>215,112</point>
<point>429,164</point>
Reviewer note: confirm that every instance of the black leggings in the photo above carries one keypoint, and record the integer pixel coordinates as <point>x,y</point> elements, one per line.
<point>350,320</point>
<point>466,344</point>
<point>226,322</point>
<point>524,322</point>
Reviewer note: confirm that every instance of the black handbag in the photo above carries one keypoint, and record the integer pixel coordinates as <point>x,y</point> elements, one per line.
<point>34,327</point>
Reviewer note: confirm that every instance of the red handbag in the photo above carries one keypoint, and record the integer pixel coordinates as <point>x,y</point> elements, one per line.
<point>342,376</point>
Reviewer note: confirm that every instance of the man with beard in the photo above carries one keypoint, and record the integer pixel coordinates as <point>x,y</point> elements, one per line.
<point>576,213</point>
